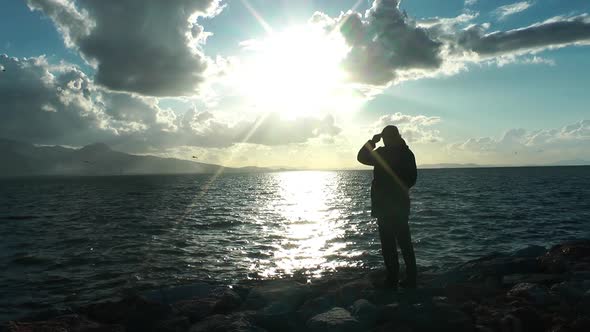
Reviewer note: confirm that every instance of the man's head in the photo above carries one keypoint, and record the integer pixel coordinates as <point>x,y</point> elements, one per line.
<point>390,135</point>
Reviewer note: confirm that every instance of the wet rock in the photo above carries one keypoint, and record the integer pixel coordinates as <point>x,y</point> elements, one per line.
<point>173,324</point>
<point>196,309</point>
<point>527,319</point>
<point>393,326</point>
<point>178,293</point>
<point>227,301</point>
<point>288,292</point>
<point>277,316</point>
<point>336,319</point>
<point>532,292</point>
<point>74,323</point>
<point>225,323</point>
<point>136,313</point>
<point>534,278</point>
<point>572,292</point>
<point>365,312</point>
<point>560,258</point>
<point>314,307</point>
<point>581,324</point>
<point>353,290</point>
<point>495,265</point>
<point>390,312</point>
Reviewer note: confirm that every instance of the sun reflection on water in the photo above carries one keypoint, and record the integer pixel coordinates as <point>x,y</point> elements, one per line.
<point>309,223</point>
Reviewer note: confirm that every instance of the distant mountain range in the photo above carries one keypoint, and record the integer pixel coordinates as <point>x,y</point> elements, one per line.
<point>20,159</point>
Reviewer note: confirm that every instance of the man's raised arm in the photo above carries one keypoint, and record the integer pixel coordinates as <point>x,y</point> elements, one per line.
<point>366,154</point>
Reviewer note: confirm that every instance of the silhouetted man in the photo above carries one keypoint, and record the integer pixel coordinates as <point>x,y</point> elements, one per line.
<point>393,174</point>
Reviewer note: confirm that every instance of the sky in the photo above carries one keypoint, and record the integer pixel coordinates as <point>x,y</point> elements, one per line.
<point>300,83</point>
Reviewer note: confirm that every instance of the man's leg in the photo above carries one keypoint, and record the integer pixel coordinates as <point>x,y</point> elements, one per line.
<point>402,233</point>
<point>389,249</point>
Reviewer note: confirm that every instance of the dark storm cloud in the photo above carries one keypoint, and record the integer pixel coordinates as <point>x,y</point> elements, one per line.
<point>385,40</point>
<point>388,46</point>
<point>151,47</point>
<point>553,33</point>
<point>40,105</point>
<point>59,104</point>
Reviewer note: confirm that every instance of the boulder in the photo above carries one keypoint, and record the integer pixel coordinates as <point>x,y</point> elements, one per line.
<point>365,312</point>
<point>571,292</point>
<point>196,309</point>
<point>335,320</point>
<point>227,301</point>
<point>135,313</point>
<point>178,293</point>
<point>173,324</point>
<point>73,322</point>
<point>290,293</point>
<point>346,294</point>
<point>314,307</point>
<point>277,316</point>
<point>225,323</point>
<point>532,292</point>
<point>533,278</point>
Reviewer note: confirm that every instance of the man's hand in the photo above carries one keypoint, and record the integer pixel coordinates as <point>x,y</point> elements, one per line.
<point>376,139</point>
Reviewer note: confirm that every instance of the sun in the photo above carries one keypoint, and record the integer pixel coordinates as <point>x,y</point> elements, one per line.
<point>295,72</point>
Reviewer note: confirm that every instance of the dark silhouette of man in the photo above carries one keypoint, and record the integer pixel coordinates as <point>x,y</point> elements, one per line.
<point>394,174</point>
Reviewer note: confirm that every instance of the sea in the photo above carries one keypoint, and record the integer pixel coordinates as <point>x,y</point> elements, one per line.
<point>68,241</point>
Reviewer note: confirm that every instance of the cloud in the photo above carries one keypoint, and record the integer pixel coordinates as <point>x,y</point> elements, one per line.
<point>553,33</point>
<point>59,104</point>
<point>414,129</point>
<point>387,46</point>
<point>385,40</point>
<point>572,136</point>
<point>470,2</point>
<point>150,47</point>
<point>503,12</point>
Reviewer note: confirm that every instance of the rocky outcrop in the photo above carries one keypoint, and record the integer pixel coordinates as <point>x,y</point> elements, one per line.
<point>532,289</point>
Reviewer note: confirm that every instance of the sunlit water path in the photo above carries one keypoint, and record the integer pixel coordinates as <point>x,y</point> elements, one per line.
<point>66,241</point>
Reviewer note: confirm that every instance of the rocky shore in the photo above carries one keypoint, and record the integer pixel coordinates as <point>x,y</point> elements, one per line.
<point>534,289</point>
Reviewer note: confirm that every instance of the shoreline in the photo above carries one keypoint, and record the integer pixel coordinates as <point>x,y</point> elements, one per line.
<point>533,289</point>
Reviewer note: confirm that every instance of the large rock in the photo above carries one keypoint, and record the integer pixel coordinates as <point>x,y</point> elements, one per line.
<point>227,301</point>
<point>225,323</point>
<point>290,293</point>
<point>74,323</point>
<point>175,294</point>
<point>532,292</point>
<point>365,312</point>
<point>277,316</point>
<point>569,291</point>
<point>136,313</point>
<point>523,320</point>
<point>570,256</point>
<point>335,320</point>
<point>533,278</point>
<point>314,307</point>
<point>196,309</point>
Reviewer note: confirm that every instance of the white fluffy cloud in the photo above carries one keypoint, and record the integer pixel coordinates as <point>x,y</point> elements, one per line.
<point>507,10</point>
<point>151,47</point>
<point>59,104</point>
<point>414,129</point>
<point>575,135</point>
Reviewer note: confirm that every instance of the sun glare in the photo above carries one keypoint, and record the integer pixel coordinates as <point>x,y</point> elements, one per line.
<point>296,72</point>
